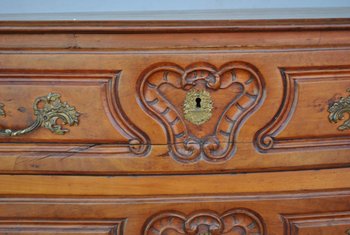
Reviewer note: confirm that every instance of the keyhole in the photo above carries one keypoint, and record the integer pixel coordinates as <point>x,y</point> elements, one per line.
<point>198,102</point>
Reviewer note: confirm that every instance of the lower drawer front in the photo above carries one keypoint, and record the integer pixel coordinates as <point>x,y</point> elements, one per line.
<point>319,223</point>
<point>309,213</point>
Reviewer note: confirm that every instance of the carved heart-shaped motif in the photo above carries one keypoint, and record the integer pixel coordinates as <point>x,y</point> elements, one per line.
<point>230,94</point>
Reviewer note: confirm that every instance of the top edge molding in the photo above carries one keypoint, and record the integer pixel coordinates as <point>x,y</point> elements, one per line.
<point>172,26</point>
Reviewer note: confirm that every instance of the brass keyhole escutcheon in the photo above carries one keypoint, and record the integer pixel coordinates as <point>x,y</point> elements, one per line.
<point>198,106</point>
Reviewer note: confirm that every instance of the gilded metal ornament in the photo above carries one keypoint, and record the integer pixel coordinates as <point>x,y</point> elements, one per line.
<point>198,106</point>
<point>2,111</point>
<point>337,111</point>
<point>48,110</point>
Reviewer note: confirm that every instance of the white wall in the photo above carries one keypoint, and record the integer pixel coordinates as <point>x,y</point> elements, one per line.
<point>105,9</point>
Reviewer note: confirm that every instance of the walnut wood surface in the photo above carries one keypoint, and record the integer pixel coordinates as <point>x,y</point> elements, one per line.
<point>99,73</point>
<point>263,214</point>
<point>267,162</point>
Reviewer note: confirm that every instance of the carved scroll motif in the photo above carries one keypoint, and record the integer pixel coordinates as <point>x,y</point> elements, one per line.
<point>238,221</point>
<point>239,83</point>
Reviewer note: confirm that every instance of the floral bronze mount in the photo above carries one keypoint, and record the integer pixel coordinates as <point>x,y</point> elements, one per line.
<point>47,115</point>
<point>201,107</point>
<point>338,109</point>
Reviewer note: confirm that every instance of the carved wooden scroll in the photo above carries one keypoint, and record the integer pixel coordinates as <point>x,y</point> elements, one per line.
<point>237,221</point>
<point>235,91</point>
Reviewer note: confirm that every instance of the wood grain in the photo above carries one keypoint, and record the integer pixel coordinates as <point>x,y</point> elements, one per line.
<point>174,185</point>
<point>247,157</point>
<point>122,171</point>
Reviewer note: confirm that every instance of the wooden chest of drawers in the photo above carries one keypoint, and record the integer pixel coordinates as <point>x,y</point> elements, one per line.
<point>187,127</point>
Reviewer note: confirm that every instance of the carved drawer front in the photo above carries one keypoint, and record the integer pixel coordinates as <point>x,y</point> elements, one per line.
<point>323,224</point>
<point>107,100</point>
<point>254,214</point>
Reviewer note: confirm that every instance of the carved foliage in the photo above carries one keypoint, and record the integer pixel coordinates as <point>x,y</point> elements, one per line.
<point>237,221</point>
<point>243,86</point>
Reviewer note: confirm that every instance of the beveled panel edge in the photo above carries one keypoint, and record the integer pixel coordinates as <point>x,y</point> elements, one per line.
<point>294,223</point>
<point>137,143</point>
<point>266,139</point>
<point>23,225</point>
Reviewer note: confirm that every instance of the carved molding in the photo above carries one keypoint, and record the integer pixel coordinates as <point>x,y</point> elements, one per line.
<point>238,80</point>
<point>267,139</point>
<point>52,226</point>
<point>137,142</point>
<point>237,221</point>
<point>335,221</point>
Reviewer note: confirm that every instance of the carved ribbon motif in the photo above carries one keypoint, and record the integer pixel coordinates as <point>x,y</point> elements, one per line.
<point>243,86</point>
<point>238,221</point>
<point>337,111</point>
<point>47,109</point>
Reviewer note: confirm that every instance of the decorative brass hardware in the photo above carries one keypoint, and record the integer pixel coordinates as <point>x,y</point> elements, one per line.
<point>2,111</point>
<point>48,110</point>
<point>337,111</point>
<point>198,106</point>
